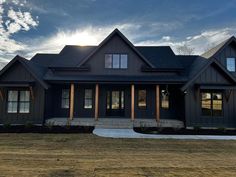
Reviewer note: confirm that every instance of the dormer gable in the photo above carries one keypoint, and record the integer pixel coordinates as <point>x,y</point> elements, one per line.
<point>115,55</point>
<point>224,53</point>
<point>116,35</point>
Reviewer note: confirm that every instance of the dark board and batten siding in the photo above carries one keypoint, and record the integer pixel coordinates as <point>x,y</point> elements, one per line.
<point>193,102</point>
<point>36,116</point>
<point>115,46</point>
<point>227,52</point>
<point>53,106</point>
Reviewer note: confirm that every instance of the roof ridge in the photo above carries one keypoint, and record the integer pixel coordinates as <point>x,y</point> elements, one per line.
<point>81,45</point>
<point>187,55</point>
<point>152,46</point>
<point>45,54</point>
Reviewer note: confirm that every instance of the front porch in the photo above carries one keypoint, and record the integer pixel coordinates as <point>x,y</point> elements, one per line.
<point>116,105</point>
<point>115,122</point>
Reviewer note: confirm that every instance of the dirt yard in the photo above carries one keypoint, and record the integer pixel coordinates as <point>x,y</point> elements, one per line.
<point>49,155</point>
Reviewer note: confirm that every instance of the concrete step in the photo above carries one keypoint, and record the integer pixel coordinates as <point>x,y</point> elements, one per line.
<point>114,127</point>
<point>114,123</point>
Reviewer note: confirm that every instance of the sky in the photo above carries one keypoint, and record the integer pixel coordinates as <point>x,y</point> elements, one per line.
<point>28,27</point>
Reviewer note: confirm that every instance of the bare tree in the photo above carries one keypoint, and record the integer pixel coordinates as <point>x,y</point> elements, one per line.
<point>185,50</point>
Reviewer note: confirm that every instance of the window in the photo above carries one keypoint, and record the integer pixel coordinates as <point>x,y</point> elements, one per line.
<point>164,99</point>
<point>18,101</point>
<point>115,100</point>
<point>24,106</point>
<point>116,61</point>
<point>88,99</point>
<point>217,104</point>
<point>108,100</point>
<point>211,103</point>
<point>122,99</point>
<point>65,98</point>
<point>124,61</point>
<point>142,99</point>
<point>108,61</point>
<point>206,104</point>
<point>230,62</point>
<point>12,101</point>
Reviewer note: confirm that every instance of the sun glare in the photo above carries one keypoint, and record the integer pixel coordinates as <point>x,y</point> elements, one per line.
<point>77,38</point>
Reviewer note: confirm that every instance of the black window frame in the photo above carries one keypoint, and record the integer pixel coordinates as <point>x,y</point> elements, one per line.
<point>145,100</point>
<point>18,101</point>
<point>212,92</point>
<point>112,55</point>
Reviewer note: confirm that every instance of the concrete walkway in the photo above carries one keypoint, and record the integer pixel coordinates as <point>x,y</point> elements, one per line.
<point>130,133</point>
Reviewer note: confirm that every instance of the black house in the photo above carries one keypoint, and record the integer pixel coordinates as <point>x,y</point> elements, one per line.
<point>147,85</point>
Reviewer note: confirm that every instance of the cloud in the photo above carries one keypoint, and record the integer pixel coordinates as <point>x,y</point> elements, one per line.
<point>19,21</point>
<point>89,35</point>
<point>93,35</point>
<point>138,32</point>
<point>200,42</point>
<point>11,22</point>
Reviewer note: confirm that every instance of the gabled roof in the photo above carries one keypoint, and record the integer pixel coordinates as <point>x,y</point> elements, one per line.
<point>159,55</point>
<point>217,49</point>
<point>187,63</point>
<point>71,55</point>
<point>157,58</point>
<point>115,32</point>
<point>201,65</point>
<point>44,59</point>
<point>37,71</point>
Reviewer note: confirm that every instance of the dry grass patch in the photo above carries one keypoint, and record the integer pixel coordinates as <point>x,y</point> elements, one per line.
<point>49,155</point>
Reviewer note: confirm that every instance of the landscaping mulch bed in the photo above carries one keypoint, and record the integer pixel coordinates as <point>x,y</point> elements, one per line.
<point>45,129</point>
<point>89,129</point>
<point>196,131</point>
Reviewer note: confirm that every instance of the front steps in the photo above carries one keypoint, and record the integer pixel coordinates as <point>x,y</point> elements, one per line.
<point>116,123</point>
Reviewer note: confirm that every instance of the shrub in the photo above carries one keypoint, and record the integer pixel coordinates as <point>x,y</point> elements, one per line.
<point>7,126</point>
<point>49,125</point>
<point>197,128</point>
<point>221,129</point>
<point>143,127</point>
<point>28,125</point>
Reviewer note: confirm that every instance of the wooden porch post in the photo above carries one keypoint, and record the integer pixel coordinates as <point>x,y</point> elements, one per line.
<point>72,98</point>
<point>132,102</point>
<point>96,101</point>
<point>158,103</point>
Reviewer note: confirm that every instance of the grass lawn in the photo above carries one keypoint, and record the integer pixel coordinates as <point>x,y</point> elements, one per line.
<point>88,155</point>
